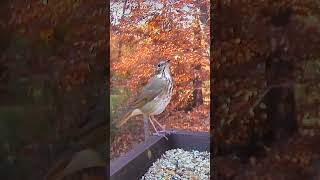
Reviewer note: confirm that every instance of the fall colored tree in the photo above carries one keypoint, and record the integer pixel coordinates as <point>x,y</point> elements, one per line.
<point>51,82</point>
<point>262,56</point>
<point>142,32</point>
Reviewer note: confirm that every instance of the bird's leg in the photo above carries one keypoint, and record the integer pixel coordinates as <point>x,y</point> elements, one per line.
<point>146,127</point>
<point>163,127</point>
<point>154,127</point>
<point>157,132</point>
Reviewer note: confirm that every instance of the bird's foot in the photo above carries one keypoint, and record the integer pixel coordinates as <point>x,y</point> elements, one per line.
<point>160,135</point>
<point>162,127</point>
<point>166,131</point>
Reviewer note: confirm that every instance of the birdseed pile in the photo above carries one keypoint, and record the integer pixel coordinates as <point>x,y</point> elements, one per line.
<point>177,164</point>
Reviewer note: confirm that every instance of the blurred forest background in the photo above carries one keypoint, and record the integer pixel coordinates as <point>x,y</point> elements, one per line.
<point>266,74</point>
<point>141,33</point>
<point>52,80</point>
<point>265,67</point>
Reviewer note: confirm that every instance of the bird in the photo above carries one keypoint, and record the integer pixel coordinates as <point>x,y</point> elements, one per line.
<point>152,100</point>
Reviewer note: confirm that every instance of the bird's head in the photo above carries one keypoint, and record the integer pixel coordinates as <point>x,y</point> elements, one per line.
<point>162,66</point>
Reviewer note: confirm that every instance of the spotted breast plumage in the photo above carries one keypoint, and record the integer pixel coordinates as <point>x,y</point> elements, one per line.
<point>153,99</point>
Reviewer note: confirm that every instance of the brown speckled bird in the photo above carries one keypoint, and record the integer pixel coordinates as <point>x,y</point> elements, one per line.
<point>152,100</point>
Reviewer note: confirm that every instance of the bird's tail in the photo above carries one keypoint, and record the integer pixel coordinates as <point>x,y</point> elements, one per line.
<point>120,122</point>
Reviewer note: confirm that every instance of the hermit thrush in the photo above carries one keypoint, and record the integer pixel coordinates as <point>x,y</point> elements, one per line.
<point>152,100</point>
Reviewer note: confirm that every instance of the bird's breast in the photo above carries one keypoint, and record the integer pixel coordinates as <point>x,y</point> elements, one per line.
<point>160,102</point>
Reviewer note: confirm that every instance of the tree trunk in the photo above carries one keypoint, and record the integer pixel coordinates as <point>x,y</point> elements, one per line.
<point>197,91</point>
<point>197,82</point>
<point>280,101</point>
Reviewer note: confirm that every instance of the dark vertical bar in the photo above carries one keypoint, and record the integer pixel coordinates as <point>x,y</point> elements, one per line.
<point>107,90</point>
<point>213,98</point>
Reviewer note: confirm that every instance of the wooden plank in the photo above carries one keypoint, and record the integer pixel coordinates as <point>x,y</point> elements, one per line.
<point>137,161</point>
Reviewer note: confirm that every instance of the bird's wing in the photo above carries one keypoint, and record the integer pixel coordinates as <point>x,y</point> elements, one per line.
<point>154,88</point>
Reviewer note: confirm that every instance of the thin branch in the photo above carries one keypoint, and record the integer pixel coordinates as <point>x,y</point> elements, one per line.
<point>124,6</point>
<point>266,92</point>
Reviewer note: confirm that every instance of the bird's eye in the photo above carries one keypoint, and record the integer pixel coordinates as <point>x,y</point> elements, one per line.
<point>158,65</point>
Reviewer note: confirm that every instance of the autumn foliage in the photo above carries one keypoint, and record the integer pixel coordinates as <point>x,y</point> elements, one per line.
<point>264,60</point>
<point>51,78</point>
<point>144,32</point>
